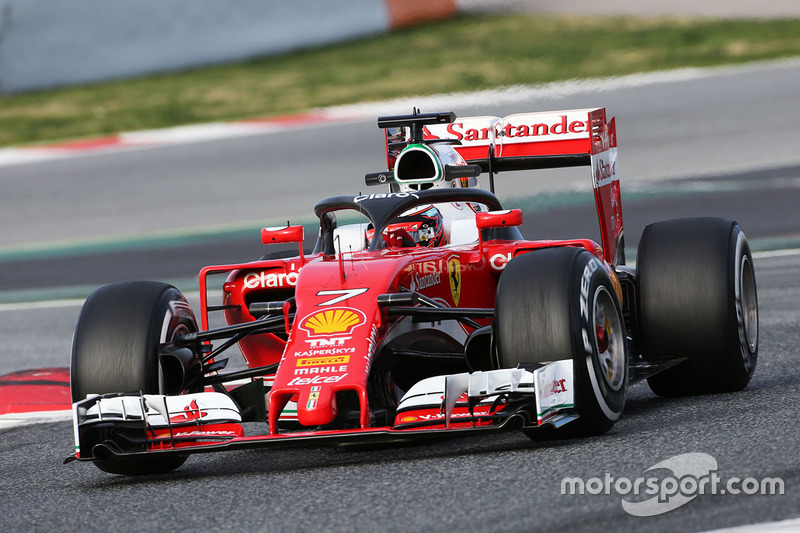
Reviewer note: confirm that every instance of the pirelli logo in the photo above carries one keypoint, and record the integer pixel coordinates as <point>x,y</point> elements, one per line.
<point>318,361</point>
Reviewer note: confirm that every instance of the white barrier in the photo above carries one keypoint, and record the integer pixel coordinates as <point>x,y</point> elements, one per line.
<point>46,43</point>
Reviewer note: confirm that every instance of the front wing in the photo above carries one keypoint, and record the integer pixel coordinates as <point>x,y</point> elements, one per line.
<point>116,426</point>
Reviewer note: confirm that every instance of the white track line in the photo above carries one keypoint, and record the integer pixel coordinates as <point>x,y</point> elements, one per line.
<point>46,304</point>
<point>777,253</point>
<point>74,302</point>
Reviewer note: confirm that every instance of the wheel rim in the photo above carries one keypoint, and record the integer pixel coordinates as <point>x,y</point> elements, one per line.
<point>609,339</point>
<point>747,283</point>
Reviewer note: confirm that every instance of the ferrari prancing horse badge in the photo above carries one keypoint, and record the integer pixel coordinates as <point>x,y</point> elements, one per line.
<point>454,275</point>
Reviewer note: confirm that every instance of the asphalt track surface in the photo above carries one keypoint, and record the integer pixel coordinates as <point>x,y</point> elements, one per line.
<point>741,163</point>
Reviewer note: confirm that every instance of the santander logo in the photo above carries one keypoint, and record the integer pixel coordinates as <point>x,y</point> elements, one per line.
<point>560,125</point>
<point>604,171</point>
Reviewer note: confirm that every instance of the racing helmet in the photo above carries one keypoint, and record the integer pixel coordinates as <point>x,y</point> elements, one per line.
<point>422,225</point>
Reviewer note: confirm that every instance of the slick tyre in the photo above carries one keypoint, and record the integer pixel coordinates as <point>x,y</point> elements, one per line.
<point>115,350</point>
<point>697,300</point>
<point>558,304</point>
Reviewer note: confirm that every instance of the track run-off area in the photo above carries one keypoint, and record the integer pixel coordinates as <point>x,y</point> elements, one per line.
<point>719,142</point>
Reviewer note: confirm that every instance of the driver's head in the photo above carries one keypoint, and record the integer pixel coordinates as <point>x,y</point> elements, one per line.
<point>423,224</point>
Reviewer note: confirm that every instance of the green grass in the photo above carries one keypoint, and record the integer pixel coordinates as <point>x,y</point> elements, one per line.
<point>463,54</point>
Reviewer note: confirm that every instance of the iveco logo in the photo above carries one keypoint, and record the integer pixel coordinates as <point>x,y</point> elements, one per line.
<point>381,196</point>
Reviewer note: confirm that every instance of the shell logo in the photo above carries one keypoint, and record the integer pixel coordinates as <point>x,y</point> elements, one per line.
<point>331,322</point>
<point>407,419</point>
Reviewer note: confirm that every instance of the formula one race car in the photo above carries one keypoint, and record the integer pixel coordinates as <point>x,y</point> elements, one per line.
<point>428,315</point>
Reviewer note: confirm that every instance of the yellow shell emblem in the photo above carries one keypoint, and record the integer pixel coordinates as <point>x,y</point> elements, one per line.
<point>332,322</point>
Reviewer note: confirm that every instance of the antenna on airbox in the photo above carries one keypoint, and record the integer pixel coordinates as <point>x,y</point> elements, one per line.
<point>417,132</point>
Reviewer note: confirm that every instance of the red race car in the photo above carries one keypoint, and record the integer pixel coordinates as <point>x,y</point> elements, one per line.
<point>422,312</point>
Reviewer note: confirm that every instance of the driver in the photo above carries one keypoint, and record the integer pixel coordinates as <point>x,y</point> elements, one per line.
<point>420,226</point>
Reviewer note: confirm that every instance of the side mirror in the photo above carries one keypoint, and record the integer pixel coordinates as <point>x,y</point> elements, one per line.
<point>498,219</point>
<point>284,235</point>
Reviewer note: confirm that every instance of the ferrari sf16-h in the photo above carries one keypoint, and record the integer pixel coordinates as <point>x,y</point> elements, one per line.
<point>421,312</point>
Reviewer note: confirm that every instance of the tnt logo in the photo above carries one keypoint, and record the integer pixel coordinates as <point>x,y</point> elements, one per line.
<point>325,343</point>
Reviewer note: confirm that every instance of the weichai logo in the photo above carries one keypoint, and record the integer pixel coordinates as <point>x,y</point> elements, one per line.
<point>333,322</point>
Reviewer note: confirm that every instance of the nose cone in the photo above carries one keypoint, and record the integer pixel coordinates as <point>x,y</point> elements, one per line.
<point>328,352</point>
<point>328,355</point>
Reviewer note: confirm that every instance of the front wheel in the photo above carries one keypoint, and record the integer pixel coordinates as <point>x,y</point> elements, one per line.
<point>115,350</point>
<point>558,304</point>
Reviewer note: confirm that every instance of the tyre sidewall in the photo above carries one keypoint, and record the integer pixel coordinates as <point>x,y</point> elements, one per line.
<point>177,318</point>
<point>744,368</point>
<point>598,403</point>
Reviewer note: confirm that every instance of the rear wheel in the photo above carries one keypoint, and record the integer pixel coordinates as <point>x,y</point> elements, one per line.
<point>115,350</point>
<point>697,300</point>
<point>558,304</point>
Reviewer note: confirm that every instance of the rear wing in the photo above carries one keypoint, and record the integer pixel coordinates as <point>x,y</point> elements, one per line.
<point>575,137</point>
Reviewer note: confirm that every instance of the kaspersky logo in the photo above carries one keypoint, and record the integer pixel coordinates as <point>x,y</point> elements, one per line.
<point>332,322</point>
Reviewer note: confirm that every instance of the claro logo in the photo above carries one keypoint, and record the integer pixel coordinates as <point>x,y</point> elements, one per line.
<point>382,196</point>
<point>499,261</point>
<point>269,280</point>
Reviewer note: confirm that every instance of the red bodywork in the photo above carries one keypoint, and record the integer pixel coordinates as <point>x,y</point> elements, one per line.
<point>331,345</point>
